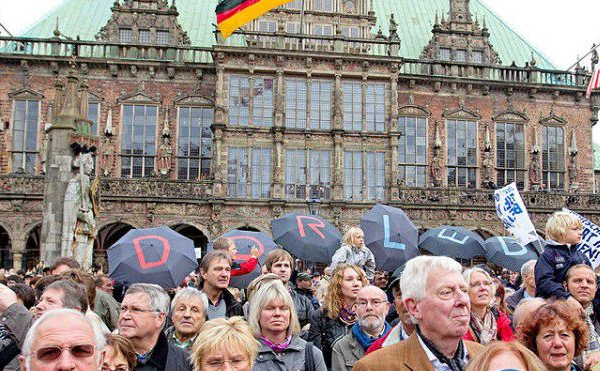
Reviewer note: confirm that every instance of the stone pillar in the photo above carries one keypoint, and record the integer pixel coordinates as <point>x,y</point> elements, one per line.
<point>394,192</point>
<point>338,164</point>
<point>58,172</point>
<point>18,249</point>
<point>277,185</point>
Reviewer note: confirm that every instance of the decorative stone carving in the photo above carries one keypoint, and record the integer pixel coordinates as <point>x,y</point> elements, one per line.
<point>165,152</point>
<point>574,165</point>
<point>487,163</point>
<point>108,128</point>
<point>437,162</point>
<point>535,171</point>
<point>107,157</point>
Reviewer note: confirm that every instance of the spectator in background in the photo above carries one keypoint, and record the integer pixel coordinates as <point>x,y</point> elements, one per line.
<point>274,323</point>
<point>304,286</point>
<point>188,315</point>
<point>105,305</point>
<point>527,289</point>
<point>64,264</point>
<point>337,316</point>
<point>25,295</point>
<point>105,284</point>
<point>488,323</point>
<point>118,354</point>
<point>237,269</point>
<point>13,279</point>
<point>499,296</point>
<point>353,251</point>
<point>215,269</point>
<point>514,280</point>
<point>371,309</point>
<point>380,280</point>
<point>522,313</point>
<point>225,341</point>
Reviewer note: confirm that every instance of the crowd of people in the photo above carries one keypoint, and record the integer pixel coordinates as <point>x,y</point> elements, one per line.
<point>436,315</point>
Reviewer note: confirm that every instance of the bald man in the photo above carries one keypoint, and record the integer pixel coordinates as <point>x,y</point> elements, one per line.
<point>371,308</point>
<point>62,339</point>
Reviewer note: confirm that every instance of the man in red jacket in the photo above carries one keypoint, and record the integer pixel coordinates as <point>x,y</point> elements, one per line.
<point>237,269</point>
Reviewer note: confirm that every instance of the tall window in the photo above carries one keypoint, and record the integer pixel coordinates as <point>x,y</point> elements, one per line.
<point>267,26</point>
<point>239,171</point>
<point>163,37</point>
<point>510,160</point>
<point>320,104</point>
<point>322,30</point>
<point>375,107</point>
<point>144,37</point>
<point>444,54</point>
<point>194,146</point>
<point>250,105</point>
<point>460,55</point>
<point>94,115</point>
<point>352,106</point>
<point>297,173</point>
<point>462,153</point>
<point>375,175</point>
<point>295,103</point>
<point>296,4</point>
<point>323,5</point>
<point>138,142</point>
<point>412,151</point>
<point>25,133</point>
<point>553,157</point>
<point>353,175</point>
<point>477,56</point>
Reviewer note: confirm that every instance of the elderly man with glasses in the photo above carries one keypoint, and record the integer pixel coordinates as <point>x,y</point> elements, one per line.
<point>371,308</point>
<point>143,313</point>
<point>62,339</point>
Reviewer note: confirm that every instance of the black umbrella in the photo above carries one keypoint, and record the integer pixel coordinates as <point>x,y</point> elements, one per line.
<point>455,242</point>
<point>152,255</point>
<point>508,253</point>
<point>307,237</point>
<point>390,235</point>
<point>244,242</point>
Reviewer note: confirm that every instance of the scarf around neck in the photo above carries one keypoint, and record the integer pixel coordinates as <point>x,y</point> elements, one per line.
<point>347,316</point>
<point>364,339</point>
<point>456,363</point>
<point>277,348</point>
<point>485,328</point>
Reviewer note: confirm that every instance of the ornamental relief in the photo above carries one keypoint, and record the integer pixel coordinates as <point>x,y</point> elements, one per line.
<point>511,116</point>
<point>461,113</point>
<point>413,110</point>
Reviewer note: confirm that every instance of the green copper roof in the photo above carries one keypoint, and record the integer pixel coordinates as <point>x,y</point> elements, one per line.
<point>414,18</point>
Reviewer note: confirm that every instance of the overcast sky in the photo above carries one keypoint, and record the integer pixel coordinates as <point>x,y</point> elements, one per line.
<point>560,30</point>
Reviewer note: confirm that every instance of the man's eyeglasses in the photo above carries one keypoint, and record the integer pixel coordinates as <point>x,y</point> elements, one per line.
<point>47,354</point>
<point>364,303</point>
<point>134,310</point>
<point>235,363</point>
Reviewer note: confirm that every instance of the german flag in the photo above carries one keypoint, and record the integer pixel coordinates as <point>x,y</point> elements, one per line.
<point>231,14</point>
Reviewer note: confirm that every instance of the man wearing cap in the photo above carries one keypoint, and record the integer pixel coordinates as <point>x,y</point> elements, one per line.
<point>304,287</point>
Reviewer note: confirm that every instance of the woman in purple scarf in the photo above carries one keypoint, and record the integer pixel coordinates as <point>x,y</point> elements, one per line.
<point>274,322</point>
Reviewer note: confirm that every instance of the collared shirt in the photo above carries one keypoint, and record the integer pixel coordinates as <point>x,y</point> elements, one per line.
<point>173,339</point>
<point>435,363</point>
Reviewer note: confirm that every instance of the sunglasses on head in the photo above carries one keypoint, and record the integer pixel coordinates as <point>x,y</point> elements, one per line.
<point>52,353</point>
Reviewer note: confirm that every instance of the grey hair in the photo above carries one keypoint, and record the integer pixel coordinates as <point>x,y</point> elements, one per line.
<point>413,282</point>
<point>72,294</point>
<point>188,292</point>
<point>528,267</point>
<point>523,305</point>
<point>99,338</point>
<point>268,292</point>
<point>469,272</point>
<point>158,299</point>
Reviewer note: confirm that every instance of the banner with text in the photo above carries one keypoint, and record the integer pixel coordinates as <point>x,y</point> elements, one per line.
<point>590,240</point>
<point>511,210</point>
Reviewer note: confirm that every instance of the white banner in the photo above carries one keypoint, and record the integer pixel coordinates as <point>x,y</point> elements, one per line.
<point>590,240</point>
<point>511,210</point>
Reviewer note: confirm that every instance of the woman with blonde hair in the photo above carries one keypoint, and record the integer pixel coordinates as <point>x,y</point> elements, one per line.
<point>501,355</point>
<point>224,341</point>
<point>354,251</point>
<point>274,322</point>
<point>336,318</point>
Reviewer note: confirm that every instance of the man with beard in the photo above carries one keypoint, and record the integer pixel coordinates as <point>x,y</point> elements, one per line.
<point>371,309</point>
<point>435,294</point>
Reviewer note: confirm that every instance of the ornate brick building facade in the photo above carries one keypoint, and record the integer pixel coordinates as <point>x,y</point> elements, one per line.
<point>349,102</point>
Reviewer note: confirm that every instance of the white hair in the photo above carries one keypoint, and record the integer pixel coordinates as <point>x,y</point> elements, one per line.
<point>158,299</point>
<point>528,267</point>
<point>99,339</point>
<point>413,282</point>
<point>187,292</point>
<point>469,272</point>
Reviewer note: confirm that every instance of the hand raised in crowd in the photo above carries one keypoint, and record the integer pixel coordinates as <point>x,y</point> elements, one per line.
<point>575,304</point>
<point>254,252</point>
<point>7,297</point>
<point>591,359</point>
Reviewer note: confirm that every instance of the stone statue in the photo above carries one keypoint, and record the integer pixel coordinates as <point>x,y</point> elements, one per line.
<point>79,227</point>
<point>535,172</point>
<point>574,174</point>
<point>488,167</point>
<point>436,169</point>
<point>164,157</point>
<point>107,157</point>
